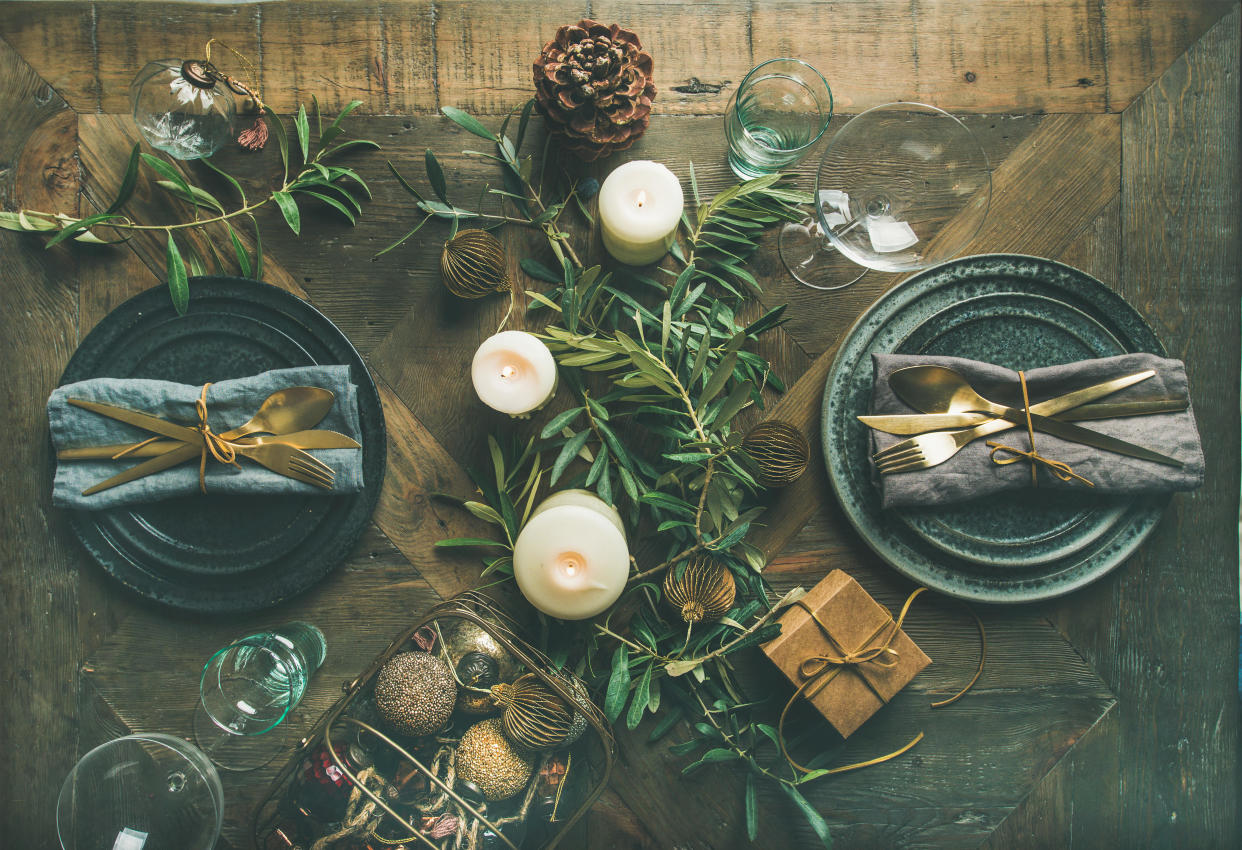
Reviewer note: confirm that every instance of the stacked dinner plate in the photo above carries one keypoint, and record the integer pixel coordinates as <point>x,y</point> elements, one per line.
<point>1015,311</point>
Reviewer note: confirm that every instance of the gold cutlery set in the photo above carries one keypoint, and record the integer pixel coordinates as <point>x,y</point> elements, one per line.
<point>276,437</point>
<point>954,415</point>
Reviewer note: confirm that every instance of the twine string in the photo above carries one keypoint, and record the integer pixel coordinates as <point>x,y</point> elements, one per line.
<point>1059,469</point>
<point>818,670</point>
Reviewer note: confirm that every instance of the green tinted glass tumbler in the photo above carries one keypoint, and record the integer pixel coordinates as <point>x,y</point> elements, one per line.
<point>778,112</point>
<point>249,687</point>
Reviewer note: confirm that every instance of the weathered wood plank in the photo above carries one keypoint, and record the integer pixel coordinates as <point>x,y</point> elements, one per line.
<point>1179,222</point>
<point>951,790</point>
<point>1062,56</point>
<point>39,587</point>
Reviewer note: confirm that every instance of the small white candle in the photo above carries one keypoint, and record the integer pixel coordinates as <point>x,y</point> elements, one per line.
<point>514,372</point>
<point>571,560</point>
<point>640,206</point>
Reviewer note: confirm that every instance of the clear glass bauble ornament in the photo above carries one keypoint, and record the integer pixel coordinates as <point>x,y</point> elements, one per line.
<point>182,109</point>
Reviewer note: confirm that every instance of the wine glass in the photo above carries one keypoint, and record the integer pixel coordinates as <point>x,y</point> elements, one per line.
<point>248,688</point>
<point>141,792</point>
<point>901,187</point>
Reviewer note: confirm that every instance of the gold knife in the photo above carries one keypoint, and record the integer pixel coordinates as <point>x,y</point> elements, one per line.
<point>917,423</point>
<point>910,390</point>
<point>310,439</point>
<point>147,422</point>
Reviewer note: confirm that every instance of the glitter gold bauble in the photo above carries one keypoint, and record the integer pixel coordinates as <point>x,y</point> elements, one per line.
<point>491,761</point>
<point>463,638</point>
<point>779,450</point>
<point>532,713</point>
<point>472,265</point>
<point>704,590</point>
<point>415,693</point>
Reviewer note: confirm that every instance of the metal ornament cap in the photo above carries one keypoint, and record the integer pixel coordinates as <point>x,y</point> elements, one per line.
<point>196,74</point>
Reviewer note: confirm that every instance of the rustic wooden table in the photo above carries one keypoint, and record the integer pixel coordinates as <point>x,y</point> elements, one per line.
<point>1105,719</point>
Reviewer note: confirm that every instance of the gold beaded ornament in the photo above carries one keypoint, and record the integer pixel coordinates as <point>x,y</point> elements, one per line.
<point>779,450</point>
<point>472,264</point>
<point>703,591</point>
<point>488,759</point>
<point>533,715</point>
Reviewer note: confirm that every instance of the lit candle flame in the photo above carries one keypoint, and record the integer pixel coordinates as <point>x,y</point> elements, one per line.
<point>642,197</point>
<point>508,372</point>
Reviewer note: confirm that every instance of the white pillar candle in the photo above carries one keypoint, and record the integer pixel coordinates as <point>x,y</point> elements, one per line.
<point>514,372</point>
<point>582,498</point>
<point>571,560</point>
<point>640,206</point>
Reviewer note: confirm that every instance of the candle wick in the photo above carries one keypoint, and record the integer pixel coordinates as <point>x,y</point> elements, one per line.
<point>508,372</point>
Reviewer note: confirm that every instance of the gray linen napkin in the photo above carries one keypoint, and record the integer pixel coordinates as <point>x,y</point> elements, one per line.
<point>229,404</point>
<point>970,473</point>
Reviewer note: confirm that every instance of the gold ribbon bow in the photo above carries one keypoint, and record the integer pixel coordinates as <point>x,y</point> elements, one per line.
<point>212,443</point>
<point>1060,469</point>
<point>818,670</point>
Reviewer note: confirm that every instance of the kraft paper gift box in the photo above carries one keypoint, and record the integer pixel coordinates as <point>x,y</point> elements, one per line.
<point>881,660</point>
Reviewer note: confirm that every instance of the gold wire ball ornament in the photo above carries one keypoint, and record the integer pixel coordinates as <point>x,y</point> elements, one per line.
<point>473,265</point>
<point>533,715</point>
<point>488,759</point>
<point>415,693</point>
<point>779,450</point>
<point>704,590</point>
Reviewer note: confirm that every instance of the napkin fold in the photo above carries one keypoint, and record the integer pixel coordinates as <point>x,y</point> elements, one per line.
<point>229,404</point>
<point>971,474</point>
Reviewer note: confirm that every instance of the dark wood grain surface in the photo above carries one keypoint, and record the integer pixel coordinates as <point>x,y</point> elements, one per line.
<point>1105,719</point>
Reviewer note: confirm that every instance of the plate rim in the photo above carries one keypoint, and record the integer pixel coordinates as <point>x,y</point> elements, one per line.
<point>300,310</point>
<point>1148,509</point>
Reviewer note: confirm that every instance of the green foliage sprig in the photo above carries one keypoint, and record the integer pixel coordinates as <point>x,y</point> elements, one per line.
<point>658,371</point>
<point>520,189</point>
<point>315,178</point>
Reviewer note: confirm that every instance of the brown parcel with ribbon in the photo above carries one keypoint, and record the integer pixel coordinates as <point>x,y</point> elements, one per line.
<point>858,665</point>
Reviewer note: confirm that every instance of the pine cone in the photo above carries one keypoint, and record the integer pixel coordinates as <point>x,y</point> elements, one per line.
<point>593,83</point>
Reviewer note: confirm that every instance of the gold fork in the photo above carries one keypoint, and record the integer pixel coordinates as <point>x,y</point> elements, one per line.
<point>290,462</point>
<point>931,449</point>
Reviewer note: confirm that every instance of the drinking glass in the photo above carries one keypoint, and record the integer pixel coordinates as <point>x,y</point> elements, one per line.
<point>141,792</point>
<point>249,687</point>
<point>901,187</point>
<point>778,112</point>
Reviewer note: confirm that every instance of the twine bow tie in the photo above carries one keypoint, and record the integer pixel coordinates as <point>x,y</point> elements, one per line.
<point>1060,469</point>
<point>212,443</point>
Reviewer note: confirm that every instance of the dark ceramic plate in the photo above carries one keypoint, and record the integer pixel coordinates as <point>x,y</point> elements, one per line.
<point>1021,312</point>
<point>226,553</point>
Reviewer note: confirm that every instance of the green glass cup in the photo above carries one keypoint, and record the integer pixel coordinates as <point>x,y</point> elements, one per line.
<point>249,687</point>
<point>780,110</point>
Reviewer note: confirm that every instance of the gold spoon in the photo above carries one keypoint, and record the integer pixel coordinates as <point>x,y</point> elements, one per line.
<point>282,412</point>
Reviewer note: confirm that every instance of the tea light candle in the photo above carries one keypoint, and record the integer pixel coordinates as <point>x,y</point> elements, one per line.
<point>513,372</point>
<point>640,206</point>
<point>571,560</point>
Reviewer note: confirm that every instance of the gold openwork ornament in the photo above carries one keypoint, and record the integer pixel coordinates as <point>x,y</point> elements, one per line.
<point>780,452</point>
<point>472,265</point>
<point>533,715</point>
<point>704,590</point>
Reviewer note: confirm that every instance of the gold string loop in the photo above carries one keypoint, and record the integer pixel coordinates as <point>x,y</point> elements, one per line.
<point>254,137</point>
<point>1059,469</point>
<point>818,670</point>
<point>215,445</point>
